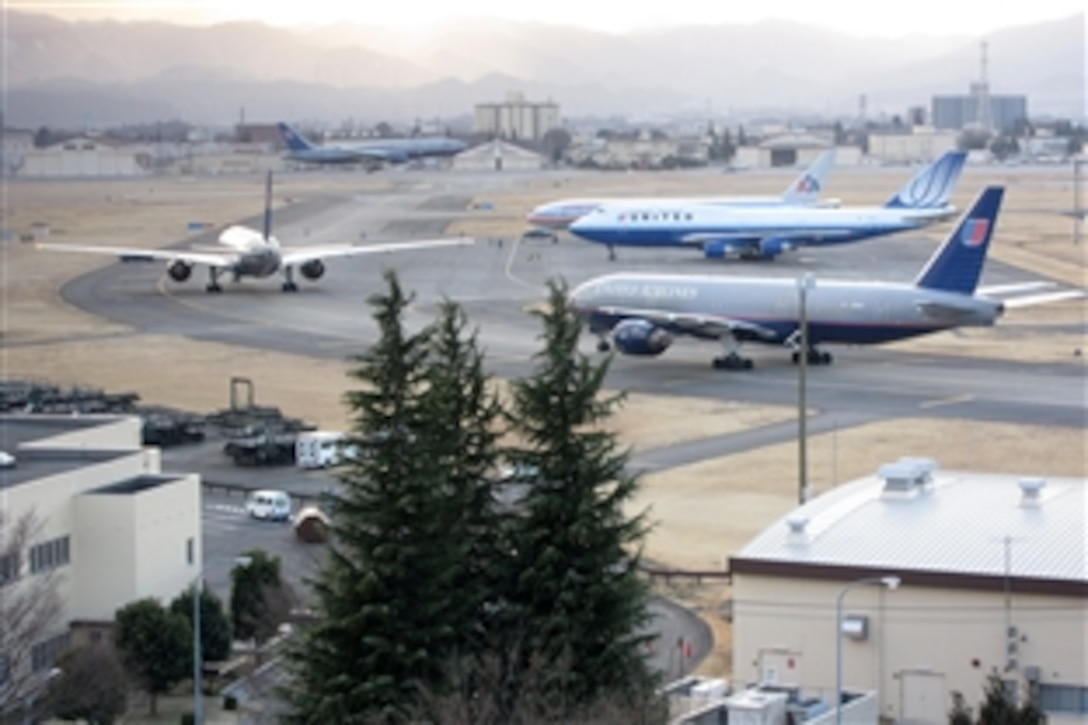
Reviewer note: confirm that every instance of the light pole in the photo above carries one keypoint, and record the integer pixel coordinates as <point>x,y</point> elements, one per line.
<point>198,659</point>
<point>891,582</point>
<point>804,283</point>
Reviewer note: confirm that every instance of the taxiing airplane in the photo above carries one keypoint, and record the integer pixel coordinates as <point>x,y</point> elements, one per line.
<point>245,252</point>
<point>642,314</point>
<point>377,151</point>
<point>765,232</point>
<point>803,191</point>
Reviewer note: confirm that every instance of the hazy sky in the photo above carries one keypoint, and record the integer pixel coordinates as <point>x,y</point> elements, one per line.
<point>933,17</point>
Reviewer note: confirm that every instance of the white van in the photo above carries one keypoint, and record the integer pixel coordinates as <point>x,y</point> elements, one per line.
<point>269,505</point>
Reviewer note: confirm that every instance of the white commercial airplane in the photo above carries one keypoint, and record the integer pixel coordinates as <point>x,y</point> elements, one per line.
<point>765,232</point>
<point>804,190</point>
<point>245,252</point>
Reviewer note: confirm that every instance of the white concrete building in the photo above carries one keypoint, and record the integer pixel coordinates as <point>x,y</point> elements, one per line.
<point>994,578</point>
<point>113,528</point>
<point>88,157</point>
<point>516,119</point>
<point>920,145</point>
<point>498,156</point>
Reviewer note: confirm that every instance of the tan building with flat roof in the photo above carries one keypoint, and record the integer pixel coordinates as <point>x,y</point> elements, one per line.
<point>993,574</point>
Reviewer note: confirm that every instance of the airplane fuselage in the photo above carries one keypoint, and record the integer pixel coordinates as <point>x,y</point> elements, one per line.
<point>667,225</point>
<point>836,311</point>
<point>559,215</point>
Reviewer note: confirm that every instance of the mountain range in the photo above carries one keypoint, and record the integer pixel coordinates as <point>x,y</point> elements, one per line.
<point>63,73</point>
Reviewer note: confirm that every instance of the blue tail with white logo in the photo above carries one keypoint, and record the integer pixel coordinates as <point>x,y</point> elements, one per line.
<point>294,140</point>
<point>932,187</point>
<point>808,186</point>
<point>956,266</point>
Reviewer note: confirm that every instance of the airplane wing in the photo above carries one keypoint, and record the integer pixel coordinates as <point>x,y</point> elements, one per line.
<point>946,311</point>
<point>694,324</point>
<point>1040,299</point>
<point>132,254</point>
<point>1026,300</point>
<point>305,254</point>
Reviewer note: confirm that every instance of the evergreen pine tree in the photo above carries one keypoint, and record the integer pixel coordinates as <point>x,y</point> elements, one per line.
<point>397,598</point>
<point>577,607</point>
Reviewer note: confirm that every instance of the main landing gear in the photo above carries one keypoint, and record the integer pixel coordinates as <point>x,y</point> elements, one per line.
<point>213,281</point>
<point>815,357</point>
<point>731,360</point>
<point>289,280</point>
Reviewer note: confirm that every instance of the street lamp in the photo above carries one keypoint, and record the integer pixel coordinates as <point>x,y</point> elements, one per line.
<point>198,660</point>
<point>891,582</point>
<point>804,283</point>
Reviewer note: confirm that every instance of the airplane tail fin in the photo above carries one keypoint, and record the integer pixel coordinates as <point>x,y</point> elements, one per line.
<point>294,140</point>
<point>268,207</point>
<point>809,184</point>
<point>956,266</point>
<point>931,187</point>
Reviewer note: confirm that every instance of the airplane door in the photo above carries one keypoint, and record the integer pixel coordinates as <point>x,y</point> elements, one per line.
<point>922,698</point>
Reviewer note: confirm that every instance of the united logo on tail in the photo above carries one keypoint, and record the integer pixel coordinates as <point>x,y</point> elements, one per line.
<point>974,232</point>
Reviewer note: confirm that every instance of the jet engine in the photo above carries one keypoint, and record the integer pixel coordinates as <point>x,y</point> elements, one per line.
<point>717,249</point>
<point>312,269</point>
<point>640,337</point>
<point>179,271</point>
<point>773,246</point>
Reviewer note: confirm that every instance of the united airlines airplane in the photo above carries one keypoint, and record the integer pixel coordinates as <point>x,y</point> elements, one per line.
<point>245,252</point>
<point>378,151</point>
<point>766,232</point>
<point>642,314</point>
<point>804,190</point>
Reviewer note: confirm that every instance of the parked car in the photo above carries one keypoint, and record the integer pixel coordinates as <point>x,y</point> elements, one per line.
<point>269,505</point>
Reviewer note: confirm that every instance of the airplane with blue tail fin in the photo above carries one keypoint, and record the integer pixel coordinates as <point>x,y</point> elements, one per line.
<point>642,314</point>
<point>804,190</point>
<point>767,231</point>
<point>370,152</point>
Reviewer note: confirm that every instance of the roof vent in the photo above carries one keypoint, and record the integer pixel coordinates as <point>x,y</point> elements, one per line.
<point>798,534</point>
<point>907,476</point>
<point>1031,490</point>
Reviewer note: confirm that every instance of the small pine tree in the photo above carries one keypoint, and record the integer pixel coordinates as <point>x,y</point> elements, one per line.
<point>250,584</point>
<point>960,714</point>
<point>577,604</point>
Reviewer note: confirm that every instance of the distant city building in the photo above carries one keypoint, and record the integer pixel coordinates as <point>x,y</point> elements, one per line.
<point>88,157</point>
<point>516,119</point>
<point>783,149</point>
<point>958,111</point>
<point>914,146</point>
<point>498,156</point>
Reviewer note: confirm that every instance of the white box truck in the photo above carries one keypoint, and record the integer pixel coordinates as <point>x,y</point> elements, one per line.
<point>319,449</point>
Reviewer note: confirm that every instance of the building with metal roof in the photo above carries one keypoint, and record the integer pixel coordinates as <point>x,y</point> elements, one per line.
<point>992,574</point>
<point>104,526</point>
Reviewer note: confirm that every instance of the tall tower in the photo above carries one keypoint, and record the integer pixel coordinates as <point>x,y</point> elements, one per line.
<point>980,91</point>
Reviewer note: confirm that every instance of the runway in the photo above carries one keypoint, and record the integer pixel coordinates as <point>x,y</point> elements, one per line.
<point>497,281</point>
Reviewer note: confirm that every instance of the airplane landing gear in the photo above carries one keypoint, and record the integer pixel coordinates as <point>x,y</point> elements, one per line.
<point>603,345</point>
<point>213,281</point>
<point>732,361</point>
<point>611,253</point>
<point>289,280</point>
<point>815,357</point>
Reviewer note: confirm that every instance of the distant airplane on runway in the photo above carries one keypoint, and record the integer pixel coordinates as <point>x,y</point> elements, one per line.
<point>378,151</point>
<point>246,252</point>
<point>641,314</point>
<point>804,190</point>
<point>765,232</point>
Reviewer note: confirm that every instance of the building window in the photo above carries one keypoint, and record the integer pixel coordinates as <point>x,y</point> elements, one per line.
<point>1063,698</point>
<point>49,555</point>
<point>189,550</point>
<point>10,566</point>
<point>45,654</point>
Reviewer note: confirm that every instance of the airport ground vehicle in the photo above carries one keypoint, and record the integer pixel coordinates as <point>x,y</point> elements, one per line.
<point>269,505</point>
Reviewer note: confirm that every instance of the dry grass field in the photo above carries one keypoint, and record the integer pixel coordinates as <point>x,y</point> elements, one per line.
<point>701,513</point>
